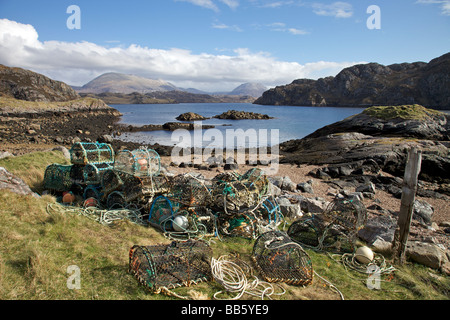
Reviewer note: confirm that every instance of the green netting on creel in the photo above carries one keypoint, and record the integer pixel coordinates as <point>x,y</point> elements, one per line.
<point>168,266</point>
<point>59,178</point>
<point>190,191</point>
<point>83,153</point>
<point>279,259</point>
<point>93,173</point>
<point>142,162</point>
<point>235,194</point>
<point>333,230</point>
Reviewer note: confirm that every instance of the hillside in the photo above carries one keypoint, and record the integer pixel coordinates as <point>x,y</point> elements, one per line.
<point>249,89</point>
<point>371,84</point>
<point>31,86</point>
<point>124,83</point>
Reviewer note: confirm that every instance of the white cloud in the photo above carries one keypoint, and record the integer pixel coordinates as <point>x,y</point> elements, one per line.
<point>226,27</point>
<point>445,5</point>
<point>202,3</point>
<point>209,4</point>
<point>77,63</point>
<point>336,9</point>
<point>233,4</point>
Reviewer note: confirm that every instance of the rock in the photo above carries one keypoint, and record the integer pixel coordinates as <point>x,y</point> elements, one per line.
<point>369,187</point>
<point>231,166</point>
<point>314,205</point>
<point>106,138</point>
<point>380,227</point>
<point>288,209</point>
<point>13,183</point>
<point>240,115</point>
<point>190,116</point>
<point>64,151</point>
<point>305,187</point>
<point>427,254</point>
<point>5,154</point>
<point>423,212</point>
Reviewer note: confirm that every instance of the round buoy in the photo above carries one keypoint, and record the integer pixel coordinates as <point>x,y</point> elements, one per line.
<point>68,197</point>
<point>90,202</point>
<point>143,163</point>
<point>364,255</point>
<point>180,223</point>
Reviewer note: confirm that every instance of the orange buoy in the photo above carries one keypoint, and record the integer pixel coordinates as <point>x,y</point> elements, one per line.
<point>90,202</point>
<point>68,197</point>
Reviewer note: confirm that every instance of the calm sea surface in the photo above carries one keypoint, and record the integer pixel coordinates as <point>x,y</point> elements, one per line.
<point>289,123</point>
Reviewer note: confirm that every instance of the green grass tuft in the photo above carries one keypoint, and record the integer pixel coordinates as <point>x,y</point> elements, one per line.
<point>405,112</point>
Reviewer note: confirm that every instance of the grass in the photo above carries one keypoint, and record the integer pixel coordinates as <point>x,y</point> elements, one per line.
<point>404,112</point>
<point>9,102</point>
<point>37,247</point>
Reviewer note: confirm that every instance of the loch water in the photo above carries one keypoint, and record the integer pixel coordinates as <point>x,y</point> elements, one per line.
<point>290,122</point>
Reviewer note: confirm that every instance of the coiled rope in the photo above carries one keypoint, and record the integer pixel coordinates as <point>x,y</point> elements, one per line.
<point>234,280</point>
<point>104,217</point>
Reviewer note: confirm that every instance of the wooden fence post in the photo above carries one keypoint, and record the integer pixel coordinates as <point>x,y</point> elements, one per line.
<point>409,189</point>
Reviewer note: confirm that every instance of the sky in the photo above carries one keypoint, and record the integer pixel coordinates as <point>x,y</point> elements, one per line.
<point>216,45</point>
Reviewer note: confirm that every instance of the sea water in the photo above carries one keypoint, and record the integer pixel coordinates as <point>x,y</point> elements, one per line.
<point>290,122</point>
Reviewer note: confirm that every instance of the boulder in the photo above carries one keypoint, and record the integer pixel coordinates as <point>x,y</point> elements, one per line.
<point>423,212</point>
<point>427,254</point>
<point>13,183</point>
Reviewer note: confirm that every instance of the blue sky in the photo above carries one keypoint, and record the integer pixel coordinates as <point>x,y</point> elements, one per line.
<point>218,44</point>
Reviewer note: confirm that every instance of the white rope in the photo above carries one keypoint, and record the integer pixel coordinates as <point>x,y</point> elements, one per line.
<point>234,280</point>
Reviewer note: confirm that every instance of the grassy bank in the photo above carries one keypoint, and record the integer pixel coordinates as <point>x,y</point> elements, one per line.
<point>37,246</point>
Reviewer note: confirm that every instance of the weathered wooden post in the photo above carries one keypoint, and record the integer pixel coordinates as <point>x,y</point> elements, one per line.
<point>409,189</point>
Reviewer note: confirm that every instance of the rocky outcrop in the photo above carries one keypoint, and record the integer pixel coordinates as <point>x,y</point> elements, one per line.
<point>190,116</point>
<point>371,84</point>
<point>27,85</point>
<point>369,142</point>
<point>412,121</point>
<point>241,115</point>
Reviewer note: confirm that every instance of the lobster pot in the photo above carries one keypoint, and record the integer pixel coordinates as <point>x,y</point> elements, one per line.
<point>205,219</point>
<point>312,231</point>
<point>162,213</point>
<point>190,191</point>
<point>256,179</point>
<point>111,180</point>
<point>168,266</point>
<point>92,191</point>
<point>92,173</point>
<point>232,195</point>
<point>141,162</point>
<point>91,152</point>
<point>58,177</point>
<point>279,259</point>
<point>349,215</point>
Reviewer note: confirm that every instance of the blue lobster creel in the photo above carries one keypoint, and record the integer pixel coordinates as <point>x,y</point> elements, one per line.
<point>83,153</point>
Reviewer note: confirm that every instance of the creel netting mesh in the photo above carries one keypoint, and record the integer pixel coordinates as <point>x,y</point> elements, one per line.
<point>333,230</point>
<point>141,162</point>
<point>91,152</point>
<point>171,265</point>
<point>279,259</point>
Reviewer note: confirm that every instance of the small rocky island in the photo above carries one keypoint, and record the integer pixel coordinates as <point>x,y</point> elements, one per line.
<point>242,115</point>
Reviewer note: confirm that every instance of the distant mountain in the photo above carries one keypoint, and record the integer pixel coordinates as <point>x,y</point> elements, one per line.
<point>124,83</point>
<point>31,86</point>
<point>364,85</point>
<point>249,89</point>
<point>113,82</point>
